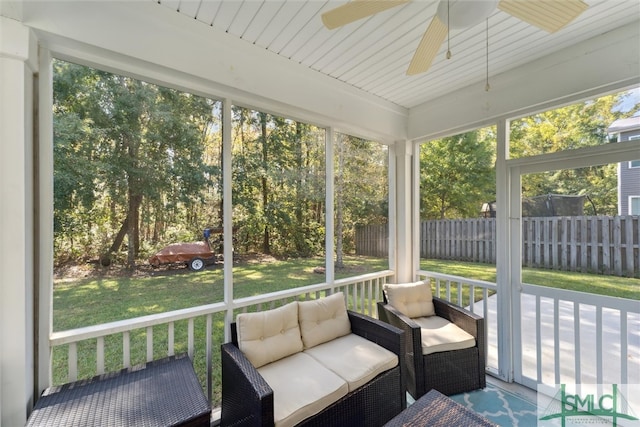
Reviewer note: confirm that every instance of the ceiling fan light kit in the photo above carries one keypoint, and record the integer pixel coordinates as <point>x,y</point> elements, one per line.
<point>548,15</point>
<point>464,13</point>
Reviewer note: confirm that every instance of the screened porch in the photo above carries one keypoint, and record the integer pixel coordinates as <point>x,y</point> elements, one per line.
<point>536,335</point>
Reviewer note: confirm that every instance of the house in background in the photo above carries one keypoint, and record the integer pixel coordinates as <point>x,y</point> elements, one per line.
<point>628,172</point>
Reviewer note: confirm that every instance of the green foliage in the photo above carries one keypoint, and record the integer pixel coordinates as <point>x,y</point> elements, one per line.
<point>456,176</point>
<point>278,184</point>
<point>575,126</point>
<point>123,147</point>
<point>456,173</point>
<point>361,187</point>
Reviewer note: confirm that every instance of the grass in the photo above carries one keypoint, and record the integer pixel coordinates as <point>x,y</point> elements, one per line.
<point>106,298</point>
<point>621,287</point>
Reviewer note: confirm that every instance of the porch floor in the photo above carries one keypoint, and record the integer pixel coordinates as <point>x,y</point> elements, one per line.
<point>506,404</point>
<point>513,416</point>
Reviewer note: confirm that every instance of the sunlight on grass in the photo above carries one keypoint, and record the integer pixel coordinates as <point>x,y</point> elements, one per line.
<point>92,301</point>
<point>621,287</point>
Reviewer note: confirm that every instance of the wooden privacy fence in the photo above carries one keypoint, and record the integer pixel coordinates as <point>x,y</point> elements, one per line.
<point>601,244</point>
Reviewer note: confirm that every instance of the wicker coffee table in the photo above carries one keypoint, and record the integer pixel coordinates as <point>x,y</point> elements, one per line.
<point>162,393</point>
<point>437,410</point>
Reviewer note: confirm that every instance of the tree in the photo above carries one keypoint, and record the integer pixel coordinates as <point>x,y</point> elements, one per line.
<point>456,176</point>
<point>361,189</point>
<point>124,141</point>
<point>567,128</point>
<point>278,168</point>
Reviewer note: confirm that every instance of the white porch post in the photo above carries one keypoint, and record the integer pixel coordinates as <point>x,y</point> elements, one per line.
<point>18,63</point>
<point>405,270</point>
<point>329,227</point>
<point>503,254</point>
<point>227,214</point>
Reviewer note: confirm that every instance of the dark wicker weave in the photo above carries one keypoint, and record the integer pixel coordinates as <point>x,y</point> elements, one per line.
<point>247,399</point>
<point>449,372</point>
<point>437,410</point>
<point>161,393</point>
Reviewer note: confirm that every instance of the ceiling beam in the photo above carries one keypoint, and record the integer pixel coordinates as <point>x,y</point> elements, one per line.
<point>602,64</point>
<point>141,35</point>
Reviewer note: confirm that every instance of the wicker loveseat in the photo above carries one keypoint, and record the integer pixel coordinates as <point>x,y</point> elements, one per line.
<point>312,363</point>
<point>445,344</point>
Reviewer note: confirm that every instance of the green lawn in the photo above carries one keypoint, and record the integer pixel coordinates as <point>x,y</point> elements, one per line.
<point>622,287</point>
<point>95,300</point>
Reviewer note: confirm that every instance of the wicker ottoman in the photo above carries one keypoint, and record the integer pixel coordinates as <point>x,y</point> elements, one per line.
<point>434,409</point>
<point>162,393</point>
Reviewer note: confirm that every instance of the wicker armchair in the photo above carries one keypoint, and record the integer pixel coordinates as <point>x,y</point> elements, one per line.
<point>449,372</point>
<point>247,399</point>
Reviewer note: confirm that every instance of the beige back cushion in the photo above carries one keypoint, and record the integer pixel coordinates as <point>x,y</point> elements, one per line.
<point>267,336</point>
<point>323,319</point>
<point>411,299</point>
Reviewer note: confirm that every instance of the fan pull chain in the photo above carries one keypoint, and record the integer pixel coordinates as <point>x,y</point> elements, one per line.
<point>487,86</point>
<point>448,33</point>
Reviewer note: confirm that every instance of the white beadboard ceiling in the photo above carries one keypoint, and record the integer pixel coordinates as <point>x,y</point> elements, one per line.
<point>373,54</point>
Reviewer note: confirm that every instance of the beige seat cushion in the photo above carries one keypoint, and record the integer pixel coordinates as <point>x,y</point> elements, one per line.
<point>267,336</point>
<point>302,387</point>
<point>411,299</point>
<point>323,319</point>
<point>355,359</point>
<point>438,334</point>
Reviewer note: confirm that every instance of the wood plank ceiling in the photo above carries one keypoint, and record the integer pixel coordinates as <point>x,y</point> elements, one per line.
<point>373,54</point>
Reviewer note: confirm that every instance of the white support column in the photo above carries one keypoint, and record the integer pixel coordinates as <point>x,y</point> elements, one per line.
<point>393,209</point>
<point>515,267</point>
<point>44,221</point>
<point>329,210</point>
<point>405,271</point>
<point>18,62</point>
<point>503,255</point>
<point>415,212</point>
<point>227,214</point>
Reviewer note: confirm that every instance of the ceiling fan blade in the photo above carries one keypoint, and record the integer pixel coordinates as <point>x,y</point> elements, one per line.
<point>357,9</point>
<point>428,47</point>
<point>549,15</point>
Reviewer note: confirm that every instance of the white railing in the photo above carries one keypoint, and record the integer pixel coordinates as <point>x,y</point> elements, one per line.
<point>362,292</point>
<point>577,338</point>
<point>565,336</point>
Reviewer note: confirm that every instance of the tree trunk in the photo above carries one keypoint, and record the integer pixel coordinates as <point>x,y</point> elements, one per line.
<point>133,229</point>
<point>117,242</point>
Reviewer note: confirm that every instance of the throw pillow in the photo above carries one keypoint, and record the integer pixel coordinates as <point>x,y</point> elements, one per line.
<point>323,319</point>
<point>271,335</point>
<point>411,299</point>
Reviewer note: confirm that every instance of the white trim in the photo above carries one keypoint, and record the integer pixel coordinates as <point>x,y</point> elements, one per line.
<point>18,64</point>
<point>631,198</point>
<point>45,219</point>
<point>544,84</point>
<point>631,165</point>
<point>227,213</point>
<point>393,209</point>
<point>503,256</point>
<point>222,65</point>
<point>417,227</point>
<point>329,219</point>
<point>580,157</point>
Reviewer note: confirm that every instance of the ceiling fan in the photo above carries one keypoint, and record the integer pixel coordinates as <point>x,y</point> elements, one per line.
<point>549,15</point>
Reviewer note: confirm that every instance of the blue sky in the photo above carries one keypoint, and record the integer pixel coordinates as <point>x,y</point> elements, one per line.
<point>630,101</point>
